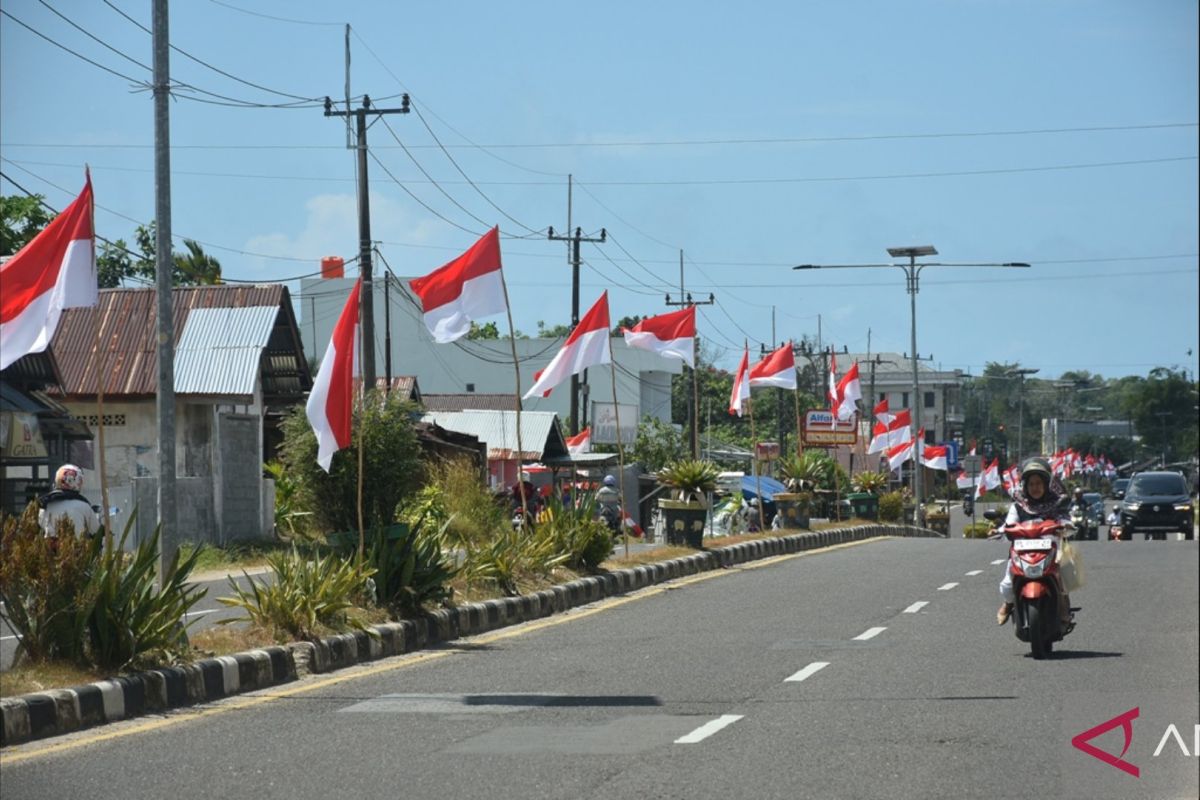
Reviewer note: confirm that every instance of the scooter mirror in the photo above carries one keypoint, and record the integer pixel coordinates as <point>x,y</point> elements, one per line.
<point>991,514</point>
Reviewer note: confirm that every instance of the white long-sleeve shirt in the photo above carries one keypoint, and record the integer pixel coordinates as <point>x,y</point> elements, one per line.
<point>81,515</point>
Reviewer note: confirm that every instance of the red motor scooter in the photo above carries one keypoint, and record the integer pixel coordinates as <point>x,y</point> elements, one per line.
<point>1042,613</point>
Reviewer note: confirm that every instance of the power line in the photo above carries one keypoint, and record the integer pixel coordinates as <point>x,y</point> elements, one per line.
<point>139,83</point>
<point>93,37</point>
<point>421,202</point>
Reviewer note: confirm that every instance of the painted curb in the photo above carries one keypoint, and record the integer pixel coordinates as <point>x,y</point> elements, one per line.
<point>59,711</point>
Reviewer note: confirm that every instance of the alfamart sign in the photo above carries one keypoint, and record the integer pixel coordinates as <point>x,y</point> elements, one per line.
<point>822,430</point>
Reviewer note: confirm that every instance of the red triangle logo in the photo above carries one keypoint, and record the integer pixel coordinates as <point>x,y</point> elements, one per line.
<point>1083,741</point>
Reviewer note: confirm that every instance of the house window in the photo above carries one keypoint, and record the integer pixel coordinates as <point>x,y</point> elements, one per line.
<point>470,387</point>
<point>929,399</point>
<point>904,400</point>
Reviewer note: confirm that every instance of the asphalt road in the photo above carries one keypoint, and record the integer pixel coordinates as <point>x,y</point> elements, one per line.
<point>813,676</point>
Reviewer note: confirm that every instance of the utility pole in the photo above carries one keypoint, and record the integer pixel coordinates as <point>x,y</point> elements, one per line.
<point>163,264</point>
<point>693,406</point>
<point>575,239</point>
<point>366,296</point>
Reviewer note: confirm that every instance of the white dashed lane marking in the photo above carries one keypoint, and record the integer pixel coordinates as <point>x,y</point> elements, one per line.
<point>869,633</point>
<point>708,729</point>
<point>807,672</point>
<point>999,561</point>
<point>975,572</point>
<point>915,607</point>
<point>947,587</point>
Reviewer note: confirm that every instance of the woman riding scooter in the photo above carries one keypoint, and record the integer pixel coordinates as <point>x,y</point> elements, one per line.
<point>1040,496</point>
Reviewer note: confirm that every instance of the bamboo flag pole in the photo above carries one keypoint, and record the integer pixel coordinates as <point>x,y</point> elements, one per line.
<point>612,364</point>
<point>512,340</point>
<point>799,430</point>
<point>754,450</point>
<point>101,378</point>
<point>695,397</point>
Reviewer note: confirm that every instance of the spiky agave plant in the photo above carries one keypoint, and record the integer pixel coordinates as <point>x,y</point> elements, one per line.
<point>872,482</point>
<point>689,479</point>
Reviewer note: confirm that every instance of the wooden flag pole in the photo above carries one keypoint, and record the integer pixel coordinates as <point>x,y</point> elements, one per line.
<point>102,376</point>
<point>799,430</point>
<point>512,340</point>
<point>612,363</point>
<point>754,450</point>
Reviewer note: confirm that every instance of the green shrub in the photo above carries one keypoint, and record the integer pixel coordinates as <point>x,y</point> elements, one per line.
<point>414,570</point>
<point>578,532</point>
<point>512,555</point>
<point>873,482</point>
<point>291,520</point>
<point>689,479</point>
<point>977,530</point>
<point>304,595</point>
<point>457,495</point>
<point>391,458</point>
<point>136,618</point>
<point>891,507</point>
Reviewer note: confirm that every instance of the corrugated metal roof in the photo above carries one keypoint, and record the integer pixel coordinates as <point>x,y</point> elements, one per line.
<point>471,400</point>
<point>221,348</point>
<point>127,322</point>
<point>541,433</point>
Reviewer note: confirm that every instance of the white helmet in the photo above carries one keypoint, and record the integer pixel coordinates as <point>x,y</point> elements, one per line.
<point>68,478</point>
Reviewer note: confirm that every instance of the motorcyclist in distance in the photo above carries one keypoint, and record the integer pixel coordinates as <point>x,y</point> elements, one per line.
<point>66,504</point>
<point>1040,496</point>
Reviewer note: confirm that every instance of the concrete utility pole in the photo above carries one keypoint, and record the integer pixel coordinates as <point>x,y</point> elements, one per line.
<point>367,296</point>
<point>163,264</point>
<point>693,406</point>
<point>575,239</point>
<point>1020,373</point>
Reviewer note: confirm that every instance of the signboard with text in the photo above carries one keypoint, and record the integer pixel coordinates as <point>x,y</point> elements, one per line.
<point>822,430</point>
<point>604,423</point>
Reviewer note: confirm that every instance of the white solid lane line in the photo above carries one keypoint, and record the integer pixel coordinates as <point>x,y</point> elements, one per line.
<point>869,633</point>
<point>999,561</point>
<point>807,672</point>
<point>915,607</point>
<point>947,587</point>
<point>975,572</point>
<point>708,729</point>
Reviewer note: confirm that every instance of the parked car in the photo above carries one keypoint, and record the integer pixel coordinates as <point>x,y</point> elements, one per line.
<point>1118,488</point>
<point>1155,504</point>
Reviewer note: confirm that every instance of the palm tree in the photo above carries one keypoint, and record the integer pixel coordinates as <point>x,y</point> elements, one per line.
<point>195,267</point>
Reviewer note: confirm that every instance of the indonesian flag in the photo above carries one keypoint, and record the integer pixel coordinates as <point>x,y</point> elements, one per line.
<point>670,335</point>
<point>56,270</point>
<point>964,480</point>
<point>880,438</point>
<point>900,428</point>
<point>849,392</point>
<point>332,398</point>
<point>777,369</point>
<point>741,384</point>
<point>587,346</point>
<point>1011,478</point>
<point>989,478</point>
<point>580,443</point>
<point>971,452</point>
<point>882,414</point>
<point>631,526</point>
<point>469,287</point>
<point>897,455</point>
<point>935,456</point>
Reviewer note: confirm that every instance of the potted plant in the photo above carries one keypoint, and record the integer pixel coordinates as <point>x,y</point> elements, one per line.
<point>685,509</point>
<point>801,474</point>
<point>864,500</point>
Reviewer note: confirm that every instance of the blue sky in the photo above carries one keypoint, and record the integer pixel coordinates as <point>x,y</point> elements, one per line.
<point>752,136</point>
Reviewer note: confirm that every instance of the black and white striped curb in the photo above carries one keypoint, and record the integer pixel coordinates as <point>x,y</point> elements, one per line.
<point>59,711</point>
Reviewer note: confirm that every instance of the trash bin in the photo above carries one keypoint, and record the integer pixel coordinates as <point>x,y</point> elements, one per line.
<point>864,505</point>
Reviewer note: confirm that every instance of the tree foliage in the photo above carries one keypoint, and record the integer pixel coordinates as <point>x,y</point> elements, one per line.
<point>21,218</point>
<point>117,262</point>
<point>488,330</point>
<point>657,444</point>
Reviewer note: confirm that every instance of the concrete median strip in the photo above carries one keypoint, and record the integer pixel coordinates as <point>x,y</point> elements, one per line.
<point>51,713</point>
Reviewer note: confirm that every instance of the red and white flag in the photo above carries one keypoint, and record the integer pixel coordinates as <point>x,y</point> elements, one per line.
<point>880,438</point>
<point>898,454</point>
<point>587,346</point>
<point>900,428</point>
<point>965,480</point>
<point>778,369</point>
<point>670,335</point>
<point>989,479</point>
<point>330,404</point>
<point>971,452</point>
<point>741,384</point>
<point>849,392</point>
<point>882,413</point>
<point>580,443</point>
<point>469,287</point>
<point>1011,479</point>
<point>832,393</point>
<point>56,270</point>
<point>935,456</point>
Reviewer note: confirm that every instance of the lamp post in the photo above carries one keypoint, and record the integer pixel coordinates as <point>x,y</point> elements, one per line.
<point>1021,372</point>
<point>912,272</point>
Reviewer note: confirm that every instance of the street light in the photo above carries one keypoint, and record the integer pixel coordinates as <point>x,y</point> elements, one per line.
<point>1021,372</point>
<point>912,272</point>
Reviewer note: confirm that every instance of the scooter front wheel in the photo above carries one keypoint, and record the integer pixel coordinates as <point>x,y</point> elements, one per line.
<point>1039,641</point>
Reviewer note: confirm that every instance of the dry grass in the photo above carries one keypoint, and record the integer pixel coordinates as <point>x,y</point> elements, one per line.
<point>46,675</point>
<point>664,553</point>
<point>226,640</point>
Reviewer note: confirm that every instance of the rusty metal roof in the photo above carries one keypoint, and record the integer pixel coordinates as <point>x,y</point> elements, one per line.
<point>541,434</point>
<point>126,321</point>
<point>471,400</point>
